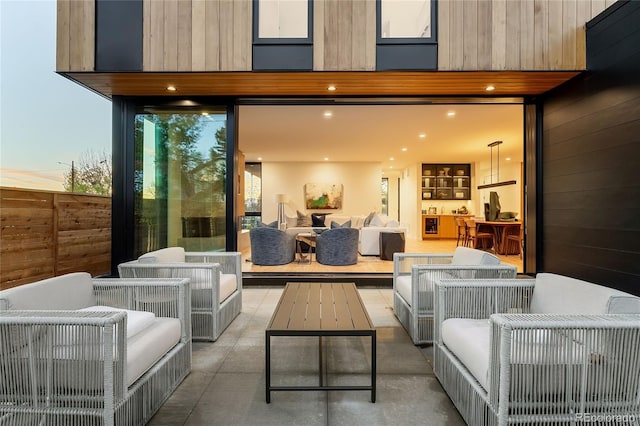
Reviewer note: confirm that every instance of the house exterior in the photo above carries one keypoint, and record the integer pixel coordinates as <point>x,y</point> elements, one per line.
<point>572,64</point>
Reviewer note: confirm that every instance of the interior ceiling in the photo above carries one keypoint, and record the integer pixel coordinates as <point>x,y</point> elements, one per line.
<point>377,133</point>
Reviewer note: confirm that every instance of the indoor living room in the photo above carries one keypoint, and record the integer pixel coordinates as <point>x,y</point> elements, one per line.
<point>374,153</point>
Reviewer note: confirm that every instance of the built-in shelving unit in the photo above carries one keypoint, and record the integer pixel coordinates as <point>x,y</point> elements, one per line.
<point>446,182</point>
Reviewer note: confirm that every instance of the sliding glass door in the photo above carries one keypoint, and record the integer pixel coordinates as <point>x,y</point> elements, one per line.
<point>180,179</point>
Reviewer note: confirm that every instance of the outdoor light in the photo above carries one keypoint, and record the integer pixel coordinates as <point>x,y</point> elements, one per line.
<point>490,88</point>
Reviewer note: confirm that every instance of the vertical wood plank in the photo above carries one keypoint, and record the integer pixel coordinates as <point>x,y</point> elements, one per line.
<point>170,60</point>
<point>156,39</point>
<point>331,35</point>
<point>499,35</point>
<point>89,36</point>
<point>76,10</point>
<point>184,35</point>
<point>583,14</point>
<point>146,35</point>
<point>555,42</point>
<point>597,6</point>
<point>62,35</point>
<point>541,31</point>
<point>358,35</point>
<point>370,35</point>
<point>242,26</point>
<point>212,35</point>
<point>456,31</point>
<point>470,42</point>
<point>344,34</point>
<point>444,37</point>
<point>318,35</point>
<point>484,34</point>
<point>569,31</point>
<point>226,35</point>
<point>527,35</point>
<point>513,30</point>
<point>198,35</point>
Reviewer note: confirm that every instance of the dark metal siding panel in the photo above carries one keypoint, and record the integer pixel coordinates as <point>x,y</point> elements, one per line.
<point>591,160</point>
<point>118,35</point>
<point>406,57</point>
<point>282,57</point>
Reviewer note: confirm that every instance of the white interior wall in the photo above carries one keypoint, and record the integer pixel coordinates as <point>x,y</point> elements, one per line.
<point>394,189</point>
<point>409,201</point>
<point>510,195</point>
<point>361,186</point>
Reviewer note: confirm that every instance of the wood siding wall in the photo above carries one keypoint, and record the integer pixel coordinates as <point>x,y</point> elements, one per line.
<point>197,35</point>
<point>344,35</point>
<point>45,234</point>
<point>75,37</point>
<point>591,158</point>
<point>522,35</point>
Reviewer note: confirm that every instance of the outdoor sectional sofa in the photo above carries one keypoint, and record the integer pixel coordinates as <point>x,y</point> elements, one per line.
<point>79,351</point>
<point>549,350</point>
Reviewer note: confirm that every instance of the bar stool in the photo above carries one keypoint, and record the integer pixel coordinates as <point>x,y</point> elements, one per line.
<point>477,239</point>
<point>462,231</point>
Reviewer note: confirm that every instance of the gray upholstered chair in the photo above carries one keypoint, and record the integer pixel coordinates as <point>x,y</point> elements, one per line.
<point>270,246</point>
<point>337,246</point>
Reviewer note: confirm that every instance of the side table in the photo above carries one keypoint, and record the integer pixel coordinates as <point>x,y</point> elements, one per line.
<point>391,242</point>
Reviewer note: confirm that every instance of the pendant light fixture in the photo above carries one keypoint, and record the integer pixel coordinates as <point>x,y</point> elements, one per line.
<point>498,183</point>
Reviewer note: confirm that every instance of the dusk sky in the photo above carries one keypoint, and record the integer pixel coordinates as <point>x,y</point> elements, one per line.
<point>45,118</point>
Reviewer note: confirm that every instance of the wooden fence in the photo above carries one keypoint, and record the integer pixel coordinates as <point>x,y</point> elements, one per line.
<point>45,234</point>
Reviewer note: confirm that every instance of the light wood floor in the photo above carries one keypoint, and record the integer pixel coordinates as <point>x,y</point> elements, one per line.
<point>366,264</point>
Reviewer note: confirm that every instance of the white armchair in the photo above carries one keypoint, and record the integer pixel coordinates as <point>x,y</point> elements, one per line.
<point>79,351</point>
<point>414,277</point>
<point>550,350</point>
<point>216,284</point>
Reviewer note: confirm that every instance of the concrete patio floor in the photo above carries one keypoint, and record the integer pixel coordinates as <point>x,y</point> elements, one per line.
<point>227,382</point>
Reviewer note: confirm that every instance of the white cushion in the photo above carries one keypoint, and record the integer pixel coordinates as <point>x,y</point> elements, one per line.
<point>228,284</point>
<point>292,221</point>
<point>557,294</point>
<point>337,218</point>
<point>392,224</point>
<point>147,347</point>
<point>165,255</point>
<point>379,220</point>
<point>469,256</point>
<point>66,292</point>
<point>468,340</point>
<point>136,320</point>
<point>403,287</point>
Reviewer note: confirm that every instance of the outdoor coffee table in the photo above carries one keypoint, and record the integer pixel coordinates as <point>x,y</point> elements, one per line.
<point>320,309</point>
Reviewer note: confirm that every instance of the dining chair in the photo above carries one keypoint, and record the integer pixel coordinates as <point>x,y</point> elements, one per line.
<point>461,227</point>
<point>477,238</point>
<point>515,238</point>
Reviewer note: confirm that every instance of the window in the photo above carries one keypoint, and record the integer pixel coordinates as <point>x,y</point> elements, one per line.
<point>180,176</point>
<point>405,19</point>
<point>252,195</point>
<point>385,196</point>
<point>282,35</point>
<point>283,19</point>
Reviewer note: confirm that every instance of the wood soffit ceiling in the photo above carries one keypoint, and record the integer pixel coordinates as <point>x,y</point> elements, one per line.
<point>437,83</point>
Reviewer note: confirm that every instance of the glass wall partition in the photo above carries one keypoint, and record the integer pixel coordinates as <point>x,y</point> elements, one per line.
<point>180,179</point>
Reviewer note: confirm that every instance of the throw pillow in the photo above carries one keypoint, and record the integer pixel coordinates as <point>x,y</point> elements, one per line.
<point>273,224</point>
<point>335,225</point>
<point>317,219</point>
<point>392,224</point>
<point>304,219</point>
<point>367,220</point>
<point>378,221</point>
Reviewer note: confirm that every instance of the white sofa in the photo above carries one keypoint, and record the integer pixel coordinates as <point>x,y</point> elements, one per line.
<point>77,350</point>
<point>294,229</point>
<point>415,275</point>
<point>215,278</point>
<point>552,350</point>
<point>369,239</point>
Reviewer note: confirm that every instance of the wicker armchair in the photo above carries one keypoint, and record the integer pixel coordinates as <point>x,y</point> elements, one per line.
<point>414,276</point>
<point>216,284</point>
<point>550,350</point>
<point>337,247</point>
<point>64,362</point>
<point>270,246</point>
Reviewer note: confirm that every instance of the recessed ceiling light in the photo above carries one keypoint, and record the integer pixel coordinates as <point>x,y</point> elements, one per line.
<point>328,114</point>
<point>331,88</point>
<point>171,88</point>
<point>205,113</point>
<point>422,135</point>
<point>326,158</point>
<point>259,158</point>
<point>451,114</point>
<point>490,87</point>
<point>391,167</point>
<point>404,149</point>
<point>391,158</point>
<point>508,158</point>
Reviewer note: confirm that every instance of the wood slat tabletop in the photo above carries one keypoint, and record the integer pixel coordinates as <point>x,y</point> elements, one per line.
<point>320,306</point>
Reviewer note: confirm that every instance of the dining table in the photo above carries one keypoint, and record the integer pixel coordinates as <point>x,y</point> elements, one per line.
<point>500,229</point>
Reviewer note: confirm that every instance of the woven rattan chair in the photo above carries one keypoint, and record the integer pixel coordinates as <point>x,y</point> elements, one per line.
<point>550,350</point>
<point>216,284</point>
<point>63,362</point>
<point>414,276</point>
